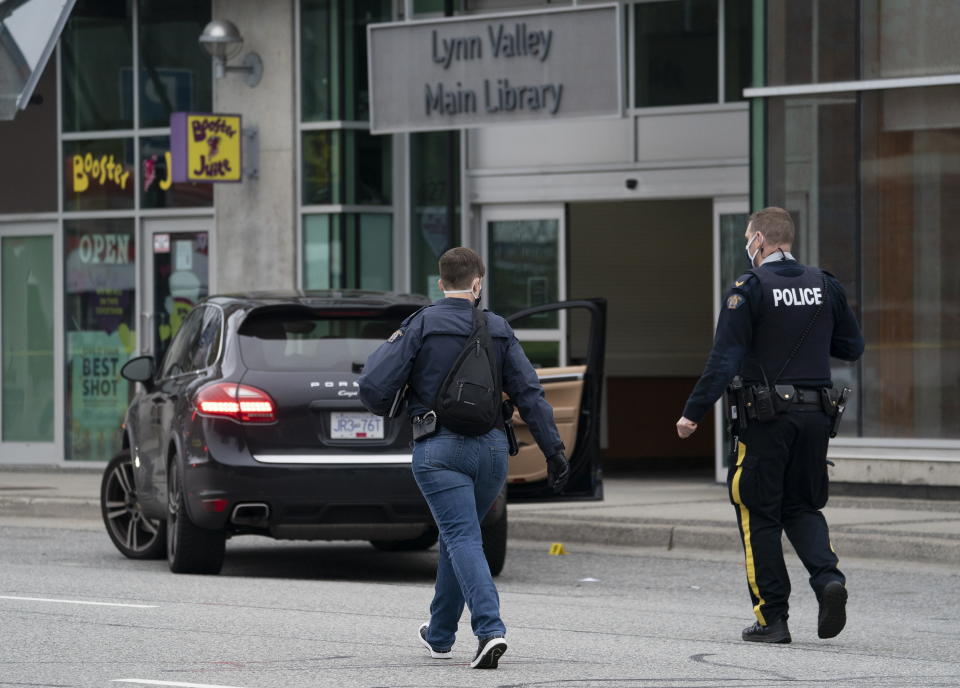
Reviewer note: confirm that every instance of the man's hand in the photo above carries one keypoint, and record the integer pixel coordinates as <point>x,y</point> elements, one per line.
<point>558,470</point>
<point>685,427</point>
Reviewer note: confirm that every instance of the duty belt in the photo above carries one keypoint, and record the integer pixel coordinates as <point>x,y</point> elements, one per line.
<point>808,396</point>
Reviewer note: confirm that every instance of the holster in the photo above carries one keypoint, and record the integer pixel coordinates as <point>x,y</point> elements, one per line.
<point>424,426</point>
<point>506,409</point>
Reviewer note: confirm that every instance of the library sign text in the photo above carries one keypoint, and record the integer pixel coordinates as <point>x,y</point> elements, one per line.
<point>495,69</point>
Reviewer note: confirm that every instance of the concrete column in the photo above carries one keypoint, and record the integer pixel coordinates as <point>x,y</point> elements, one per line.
<point>256,228</point>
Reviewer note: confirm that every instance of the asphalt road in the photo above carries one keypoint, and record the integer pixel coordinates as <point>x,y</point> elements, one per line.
<point>289,615</point>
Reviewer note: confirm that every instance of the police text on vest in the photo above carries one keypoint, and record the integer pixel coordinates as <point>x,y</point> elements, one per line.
<point>797,297</point>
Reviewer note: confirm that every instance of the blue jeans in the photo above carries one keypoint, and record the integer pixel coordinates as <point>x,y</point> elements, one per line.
<point>460,477</point>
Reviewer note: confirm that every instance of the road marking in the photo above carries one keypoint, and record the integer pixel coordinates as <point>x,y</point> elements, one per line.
<point>147,682</point>
<point>96,604</point>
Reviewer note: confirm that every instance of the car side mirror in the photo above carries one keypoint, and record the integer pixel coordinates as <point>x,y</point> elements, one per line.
<point>139,369</point>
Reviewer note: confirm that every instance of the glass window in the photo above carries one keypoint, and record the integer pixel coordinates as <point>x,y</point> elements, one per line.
<point>208,344</point>
<point>333,38</point>
<point>100,303</point>
<point>813,167</point>
<point>431,188</point>
<point>811,41</point>
<point>99,174</point>
<point>97,56</point>
<point>296,339</point>
<point>158,190</point>
<point>27,307</point>
<point>348,251</point>
<point>524,268</point>
<point>676,44</point>
<point>348,167</point>
<point>175,71</point>
<point>178,359</point>
<point>903,38</point>
<point>181,279</point>
<point>909,246</point>
<point>738,48</point>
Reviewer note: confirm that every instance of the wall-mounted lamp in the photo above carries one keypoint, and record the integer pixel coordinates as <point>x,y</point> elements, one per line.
<point>222,40</point>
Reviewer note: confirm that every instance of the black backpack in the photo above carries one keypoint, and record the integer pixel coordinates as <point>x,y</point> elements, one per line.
<point>468,401</point>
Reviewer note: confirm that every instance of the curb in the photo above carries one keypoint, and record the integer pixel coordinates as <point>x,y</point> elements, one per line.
<point>702,535</point>
<point>724,537</point>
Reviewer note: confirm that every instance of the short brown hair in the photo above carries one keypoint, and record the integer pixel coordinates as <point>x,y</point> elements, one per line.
<point>459,266</point>
<point>775,224</point>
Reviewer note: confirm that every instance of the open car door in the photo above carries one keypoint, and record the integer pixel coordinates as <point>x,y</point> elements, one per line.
<point>574,392</point>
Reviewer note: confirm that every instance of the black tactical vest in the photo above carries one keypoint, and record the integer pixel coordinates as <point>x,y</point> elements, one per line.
<point>787,305</point>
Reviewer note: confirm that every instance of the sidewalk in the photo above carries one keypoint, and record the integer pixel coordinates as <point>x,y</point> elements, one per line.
<point>658,512</point>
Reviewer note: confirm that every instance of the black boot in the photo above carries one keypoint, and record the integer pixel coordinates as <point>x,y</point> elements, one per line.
<point>833,610</point>
<point>776,632</point>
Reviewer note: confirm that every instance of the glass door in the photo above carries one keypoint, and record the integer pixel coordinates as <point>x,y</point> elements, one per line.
<point>176,276</point>
<point>31,398</point>
<point>525,254</point>
<point>729,262</point>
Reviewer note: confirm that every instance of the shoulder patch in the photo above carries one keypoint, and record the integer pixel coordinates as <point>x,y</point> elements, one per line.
<point>395,336</point>
<point>734,301</point>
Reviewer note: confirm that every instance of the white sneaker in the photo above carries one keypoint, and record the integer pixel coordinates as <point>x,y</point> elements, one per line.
<point>436,654</point>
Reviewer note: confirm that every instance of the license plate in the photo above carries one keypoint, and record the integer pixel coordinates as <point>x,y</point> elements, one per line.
<point>355,426</point>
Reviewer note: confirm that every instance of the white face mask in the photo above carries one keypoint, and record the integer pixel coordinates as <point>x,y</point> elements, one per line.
<point>476,294</point>
<point>753,256</point>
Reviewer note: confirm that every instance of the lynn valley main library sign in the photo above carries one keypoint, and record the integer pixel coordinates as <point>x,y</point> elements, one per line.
<point>491,69</point>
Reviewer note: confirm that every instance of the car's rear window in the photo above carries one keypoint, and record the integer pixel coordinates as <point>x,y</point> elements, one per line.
<point>300,339</point>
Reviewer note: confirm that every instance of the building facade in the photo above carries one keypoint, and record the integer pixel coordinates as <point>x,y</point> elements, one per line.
<point>102,254</point>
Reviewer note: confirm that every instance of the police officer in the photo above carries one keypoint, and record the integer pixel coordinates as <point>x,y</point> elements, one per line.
<point>460,476</point>
<point>779,482</point>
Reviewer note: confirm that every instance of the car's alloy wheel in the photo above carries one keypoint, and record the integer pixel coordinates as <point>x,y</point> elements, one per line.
<point>135,535</point>
<point>190,549</point>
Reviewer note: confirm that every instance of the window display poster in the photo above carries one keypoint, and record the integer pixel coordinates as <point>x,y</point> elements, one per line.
<point>100,337</point>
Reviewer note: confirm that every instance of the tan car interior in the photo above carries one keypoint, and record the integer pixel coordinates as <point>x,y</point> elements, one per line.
<point>564,391</point>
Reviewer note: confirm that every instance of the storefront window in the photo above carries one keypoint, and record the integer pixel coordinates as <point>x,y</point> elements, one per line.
<point>158,190</point>
<point>895,259</point>
<point>524,259</point>
<point>97,58</point>
<point>348,251</point>
<point>738,48</point>
<point>100,302</point>
<point>675,40</point>
<point>99,174</point>
<point>333,40</point>
<point>811,41</point>
<point>27,338</point>
<point>911,288</point>
<point>175,73</point>
<point>431,188</point>
<point>346,166</point>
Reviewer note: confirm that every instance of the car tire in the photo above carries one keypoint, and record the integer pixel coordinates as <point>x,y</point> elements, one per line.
<point>190,549</point>
<point>495,543</point>
<point>135,535</point>
<point>425,541</point>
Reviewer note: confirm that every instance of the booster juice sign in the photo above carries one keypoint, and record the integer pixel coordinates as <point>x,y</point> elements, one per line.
<point>205,147</point>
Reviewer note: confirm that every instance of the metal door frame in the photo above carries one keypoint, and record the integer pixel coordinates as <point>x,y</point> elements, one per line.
<point>529,211</point>
<point>148,227</point>
<point>41,452</point>
<point>725,206</point>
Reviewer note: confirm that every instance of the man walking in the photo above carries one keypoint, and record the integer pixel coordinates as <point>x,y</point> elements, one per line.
<point>779,325</point>
<point>460,475</point>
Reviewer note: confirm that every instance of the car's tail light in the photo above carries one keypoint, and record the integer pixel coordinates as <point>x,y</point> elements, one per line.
<point>241,403</point>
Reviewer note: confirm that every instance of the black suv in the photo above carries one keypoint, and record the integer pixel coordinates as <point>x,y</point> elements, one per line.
<point>251,423</point>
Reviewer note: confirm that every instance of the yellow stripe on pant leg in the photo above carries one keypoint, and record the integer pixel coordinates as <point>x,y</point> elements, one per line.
<point>745,525</point>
